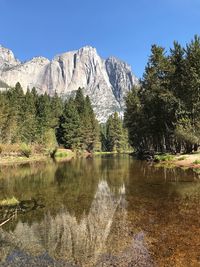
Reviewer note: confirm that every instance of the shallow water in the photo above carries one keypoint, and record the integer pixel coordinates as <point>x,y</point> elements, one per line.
<point>105,211</point>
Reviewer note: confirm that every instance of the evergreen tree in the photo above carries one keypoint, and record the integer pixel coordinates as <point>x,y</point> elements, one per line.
<point>103,137</point>
<point>43,116</point>
<point>90,127</point>
<point>115,134</point>
<point>159,103</point>
<point>69,130</point>
<point>164,114</point>
<point>135,120</point>
<point>15,98</point>
<point>28,119</point>
<point>4,113</point>
<point>56,110</point>
<point>188,125</point>
<point>80,101</point>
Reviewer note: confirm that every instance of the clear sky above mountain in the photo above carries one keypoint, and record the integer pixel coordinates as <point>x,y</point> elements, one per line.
<point>125,29</point>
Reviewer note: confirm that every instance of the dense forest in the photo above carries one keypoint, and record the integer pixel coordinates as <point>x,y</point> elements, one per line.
<point>163,113</point>
<point>49,122</point>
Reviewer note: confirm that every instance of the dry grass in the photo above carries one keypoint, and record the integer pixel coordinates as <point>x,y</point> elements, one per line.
<point>9,201</point>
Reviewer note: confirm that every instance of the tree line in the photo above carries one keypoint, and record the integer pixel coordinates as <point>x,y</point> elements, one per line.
<point>163,112</point>
<point>50,121</point>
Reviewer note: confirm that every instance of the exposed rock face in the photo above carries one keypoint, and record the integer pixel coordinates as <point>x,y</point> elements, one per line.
<point>120,76</point>
<point>105,81</point>
<point>7,59</point>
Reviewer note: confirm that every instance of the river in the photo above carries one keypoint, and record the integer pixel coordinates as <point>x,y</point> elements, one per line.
<point>102,211</point>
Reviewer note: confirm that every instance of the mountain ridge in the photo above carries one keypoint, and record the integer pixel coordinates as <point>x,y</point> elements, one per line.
<point>105,81</point>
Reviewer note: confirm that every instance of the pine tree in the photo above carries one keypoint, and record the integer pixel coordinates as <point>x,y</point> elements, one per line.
<point>164,114</point>
<point>43,116</point>
<point>188,124</point>
<point>4,113</point>
<point>115,134</point>
<point>90,127</point>
<point>69,130</point>
<point>80,101</point>
<point>15,97</point>
<point>135,121</point>
<point>56,110</point>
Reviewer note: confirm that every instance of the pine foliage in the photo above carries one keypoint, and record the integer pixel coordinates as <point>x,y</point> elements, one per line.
<point>163,112</point>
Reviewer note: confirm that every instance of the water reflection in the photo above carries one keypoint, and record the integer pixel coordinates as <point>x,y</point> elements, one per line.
<point>75,227</point>
<point>65,238</point>
<point>107,211</point>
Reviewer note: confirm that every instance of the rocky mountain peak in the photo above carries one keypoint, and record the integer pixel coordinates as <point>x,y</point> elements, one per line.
<point>7,58</point>
<point>104,81</point>
<point>117,62</point>
<point>120,77</point>
<point>88,49</point>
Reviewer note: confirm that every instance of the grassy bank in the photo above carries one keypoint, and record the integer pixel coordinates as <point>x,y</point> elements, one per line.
<point>9,160</point>
<point>64,155</point>
<point>22,153</point>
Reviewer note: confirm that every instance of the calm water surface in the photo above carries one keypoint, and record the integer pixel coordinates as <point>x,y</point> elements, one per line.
<point>105,211</point>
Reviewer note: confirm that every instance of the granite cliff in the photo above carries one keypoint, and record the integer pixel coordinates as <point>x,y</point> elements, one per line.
<point>105,81</point>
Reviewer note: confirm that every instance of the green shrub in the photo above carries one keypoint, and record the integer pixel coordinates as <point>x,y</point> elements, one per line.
<point>25,150</point>
<point>182,158</point>
<point>61,154</point>
<point>164,157</point>
<point>49,142</point>
<point>197,161</point>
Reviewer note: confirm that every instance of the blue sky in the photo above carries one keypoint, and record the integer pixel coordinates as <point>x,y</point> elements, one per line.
<point>125,29</point>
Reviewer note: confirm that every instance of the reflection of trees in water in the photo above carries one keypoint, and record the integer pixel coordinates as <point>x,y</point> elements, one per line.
<point>65,237</point>
<point>24,182</point>
<point>76,183</point>
<point>148,171</point>
<point>114,169</point>
<point>148,180</point>
<point>81,198</point>
<point>68,184</point>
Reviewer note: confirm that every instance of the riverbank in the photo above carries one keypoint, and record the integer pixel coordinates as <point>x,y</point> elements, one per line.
<point>183,161</point>
<point>188,160</point>
<point>9,160</point>
<point>60,155</point>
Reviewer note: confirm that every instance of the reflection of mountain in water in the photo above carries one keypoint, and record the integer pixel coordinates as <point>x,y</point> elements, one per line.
<point>63,236</point>
<point>87,222</point>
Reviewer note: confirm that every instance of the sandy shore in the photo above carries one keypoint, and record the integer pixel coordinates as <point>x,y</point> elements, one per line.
<point>187,160</point>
